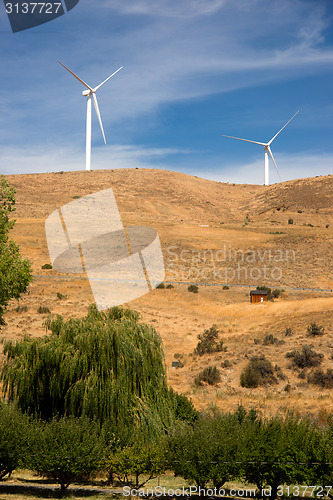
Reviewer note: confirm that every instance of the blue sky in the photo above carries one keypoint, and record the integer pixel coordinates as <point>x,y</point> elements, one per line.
<point>193,70</point>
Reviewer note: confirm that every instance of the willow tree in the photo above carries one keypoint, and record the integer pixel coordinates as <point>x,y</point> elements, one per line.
<point>106,366</point>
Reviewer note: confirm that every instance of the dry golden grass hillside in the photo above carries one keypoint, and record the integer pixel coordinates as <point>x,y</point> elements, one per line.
<point>211,233</point>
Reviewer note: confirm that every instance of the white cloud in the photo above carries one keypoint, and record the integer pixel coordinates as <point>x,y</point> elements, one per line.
<point>48,159</point>
<point>291,166</point>
<point>172,8</point>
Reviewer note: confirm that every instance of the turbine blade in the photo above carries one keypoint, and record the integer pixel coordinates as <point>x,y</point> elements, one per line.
<point>98,115</point>
<point>71,72</point>
<point>271,155</point>
<point>99,86</point>
<point>270,142</point>
<point>246,140</point>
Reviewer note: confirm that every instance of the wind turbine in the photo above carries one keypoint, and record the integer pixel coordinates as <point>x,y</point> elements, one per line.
<point>267,149</point>
<point>91,94</point>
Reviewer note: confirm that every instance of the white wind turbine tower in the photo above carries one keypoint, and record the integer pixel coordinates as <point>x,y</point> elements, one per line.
<point>91,94</point>
<point>267,150</point>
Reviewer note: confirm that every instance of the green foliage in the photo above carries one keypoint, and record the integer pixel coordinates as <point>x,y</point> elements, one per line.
<point>184,408</point>
<point>277,292</point>
<point>67,450</point>
<point>141,458</point>
<point>275,452</point>
<point>288,332</point>
<point>211,375</point>
<point>209,450</point>
<point>161,285</point>
<point>270,340</point>
<point>47,266</point>
<point>259,371</point>
<point>266,289</point>
<point>61,296</point>
<point>226,364</point>
<point>15,272</point>
<point>314,330</point>
<point>225,287</point>
<point>14,434</point>
<point>43,310</point>
<point>208,342</point>
<point>106,366</point>
<point>169,286</point>
<point>306,358</point>
<point>290,221</point>
<point>193,288</point>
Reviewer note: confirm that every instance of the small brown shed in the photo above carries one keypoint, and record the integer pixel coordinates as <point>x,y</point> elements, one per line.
<point>258,296</point>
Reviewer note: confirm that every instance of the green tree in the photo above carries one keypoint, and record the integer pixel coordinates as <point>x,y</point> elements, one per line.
<point>14,439</point>
<point>275,453</point>
<point>208,451</point>
<point>15,272</point>
<point>320,458</point>
<point>106,366</point>
<point>67,450</point>
<point>140,458</point>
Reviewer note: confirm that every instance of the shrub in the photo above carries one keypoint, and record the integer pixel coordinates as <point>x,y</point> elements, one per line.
<point>76,197</point>
<point>270,340</point>
<point>208,342</point>
<point>169,286</point>
<point>290,221</point>
<point>324,380</point>
<point>178,355</point>
<point>184,408</point>
<point>20,309</point>
<point>288,332</point>
<point>225,287</point>
<point>47,266</point>
<point>211,375</point>
<point>277,292</point>
<point>279,373</point>
<point>43,310</point>
<point>314,329</point>
<point>259,371</point>
<point>306,358</point>
<point>266,289</point>
<point>161,285</point>
<point>61,296</point>
<point>193,288</point>
<point>226,363</point>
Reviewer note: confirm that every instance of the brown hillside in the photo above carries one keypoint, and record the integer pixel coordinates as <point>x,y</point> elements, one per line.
<point>248,226</point>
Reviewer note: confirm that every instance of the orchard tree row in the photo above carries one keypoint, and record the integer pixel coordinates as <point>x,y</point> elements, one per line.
<point>208,452</point>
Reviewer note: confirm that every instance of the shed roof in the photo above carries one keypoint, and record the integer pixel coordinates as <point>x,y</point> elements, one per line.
<point>258,292</point>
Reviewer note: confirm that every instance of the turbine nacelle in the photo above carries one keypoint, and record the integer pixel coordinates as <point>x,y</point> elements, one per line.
<point>85,93</point>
